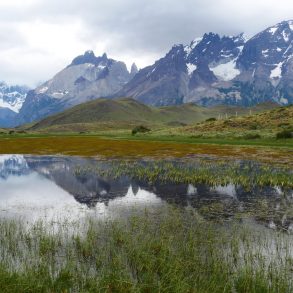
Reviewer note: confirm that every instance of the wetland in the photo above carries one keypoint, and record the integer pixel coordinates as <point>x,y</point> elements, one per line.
<point>179,224</point>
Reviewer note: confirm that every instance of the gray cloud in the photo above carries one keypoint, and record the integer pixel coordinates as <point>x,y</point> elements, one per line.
<point>141,30</point>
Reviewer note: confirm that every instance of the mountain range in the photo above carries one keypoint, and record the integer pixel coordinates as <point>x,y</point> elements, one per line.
<point>11,101</point>
<point>211,70</point>
<point>221,70</point>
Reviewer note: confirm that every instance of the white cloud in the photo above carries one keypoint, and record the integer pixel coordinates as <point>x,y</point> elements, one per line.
<point>40,37</point>
<point>17,3</point>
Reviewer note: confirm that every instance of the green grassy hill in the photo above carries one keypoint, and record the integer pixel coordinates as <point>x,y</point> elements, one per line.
<point>125,113</point>
<point>260,125</point>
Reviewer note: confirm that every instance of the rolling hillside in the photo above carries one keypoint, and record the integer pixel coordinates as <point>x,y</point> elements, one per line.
<point>104,114</point>
<point>259,125</point>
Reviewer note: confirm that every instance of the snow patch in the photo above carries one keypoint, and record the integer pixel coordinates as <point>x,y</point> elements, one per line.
<point>191,68</point>
<point>59,94</point>
<point>272,30</point>
<point>291,25</point>
<point>277,71</point>
<point>14,104</point>
<point>285,36</point>
<point>284,101</point>
<point>227,56</point>
<point>195,42</point>
<point>187,50</point>
<point>279,49</point>
<point>265,52</point>
<point>287,50</point>
<point>240,48</point>
<point>43,90</point>
<point>6,105</point>
<point>226,71</point>
<point>150,73</point>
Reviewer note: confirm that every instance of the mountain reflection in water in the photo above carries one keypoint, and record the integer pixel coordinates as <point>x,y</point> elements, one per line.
<point>47,187</point>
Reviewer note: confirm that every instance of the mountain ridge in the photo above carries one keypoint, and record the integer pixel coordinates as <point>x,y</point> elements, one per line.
<point>214,70</point>
<point>211,70</point>
<point>87,77</point>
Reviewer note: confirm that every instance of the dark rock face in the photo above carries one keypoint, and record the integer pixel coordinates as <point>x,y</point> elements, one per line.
<point>90,58</point>
<point>221,70</point>
<point>37,107</point>
<point>134,70</point>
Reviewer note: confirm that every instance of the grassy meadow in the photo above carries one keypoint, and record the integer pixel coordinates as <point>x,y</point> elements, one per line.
<point>144,146</point>
<point>105,127</point>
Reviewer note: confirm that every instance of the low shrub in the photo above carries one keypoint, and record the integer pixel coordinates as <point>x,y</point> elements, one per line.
<point>284,134</point>
<point>140,129</point>
<point>283,124</point>
<point>253,126</point>
<point>176,123</point>
<point>252,136</point>
<point>211,119</point>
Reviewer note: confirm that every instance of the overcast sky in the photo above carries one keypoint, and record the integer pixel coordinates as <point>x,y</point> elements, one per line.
<point>40,37</point>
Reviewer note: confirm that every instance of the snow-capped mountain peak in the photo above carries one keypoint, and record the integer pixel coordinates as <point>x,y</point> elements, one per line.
<point>12,97</point>
<point>88,77</point>
<point>216,69</point>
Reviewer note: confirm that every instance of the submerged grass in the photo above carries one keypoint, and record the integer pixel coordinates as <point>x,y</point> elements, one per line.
<point>199,171</point>
<point>170,250</point>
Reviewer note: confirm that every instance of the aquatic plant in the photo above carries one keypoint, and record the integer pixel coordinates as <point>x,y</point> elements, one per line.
<point>210,172</point>
<point>169,250</point>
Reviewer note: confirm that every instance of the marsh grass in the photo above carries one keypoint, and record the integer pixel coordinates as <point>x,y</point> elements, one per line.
<point>206,171</point>
<point>144,145</point>
<point>168,250</point>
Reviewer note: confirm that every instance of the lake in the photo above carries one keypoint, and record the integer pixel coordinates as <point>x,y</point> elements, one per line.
<point>70,189</point>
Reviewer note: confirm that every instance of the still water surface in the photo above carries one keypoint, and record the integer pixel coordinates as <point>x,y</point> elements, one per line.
<point>48,188</point>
